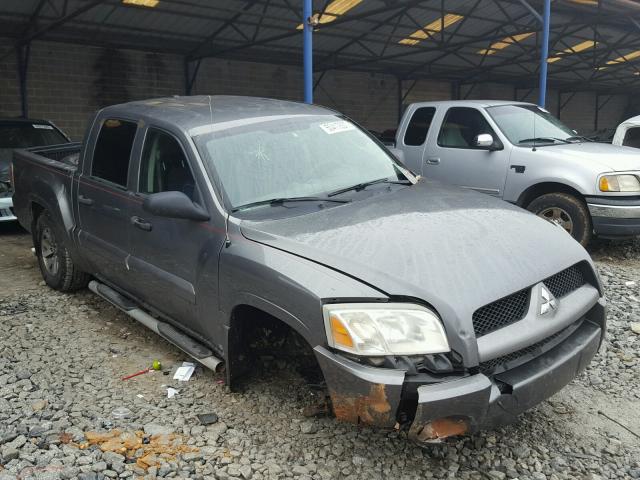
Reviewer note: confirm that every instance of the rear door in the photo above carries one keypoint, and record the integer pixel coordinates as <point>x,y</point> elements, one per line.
<point>104,199</point>
<point>167,254</point>
<point>415,137</point>
<point>452,156</point>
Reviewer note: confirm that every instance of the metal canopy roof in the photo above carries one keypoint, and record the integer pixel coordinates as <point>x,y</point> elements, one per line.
<point>593,45</point>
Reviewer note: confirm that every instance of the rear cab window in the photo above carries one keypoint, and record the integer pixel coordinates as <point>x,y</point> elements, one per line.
<point>419,125</point>
<point>29,134</point>
<point>461,126</point>
<point>112,153</point>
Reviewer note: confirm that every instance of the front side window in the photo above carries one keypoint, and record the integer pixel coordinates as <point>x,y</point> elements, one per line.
<point>164,166</point>
<point>112,154</point>
<point>461,126</point>
<point>418,127</point>
<point>632,138</point>
<point>526,125</point>
<point>292,156</point>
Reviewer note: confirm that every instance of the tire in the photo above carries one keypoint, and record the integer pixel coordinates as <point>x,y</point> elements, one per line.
<point>55,262</point>
<point>566,210</point>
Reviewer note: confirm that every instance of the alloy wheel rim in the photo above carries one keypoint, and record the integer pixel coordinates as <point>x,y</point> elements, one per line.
<point>49,250</point>
<point>559,216</point>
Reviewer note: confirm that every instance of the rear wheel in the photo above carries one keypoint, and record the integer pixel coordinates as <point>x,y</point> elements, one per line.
<point>567,211</point>
<point>56,265</point>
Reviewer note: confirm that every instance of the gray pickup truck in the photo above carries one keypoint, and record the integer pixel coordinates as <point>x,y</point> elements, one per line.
<point>521,153</point>
<point>434,308</point>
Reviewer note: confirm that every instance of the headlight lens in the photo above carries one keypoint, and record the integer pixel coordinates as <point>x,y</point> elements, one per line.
<point>384,329</point>
<point>619,183</point>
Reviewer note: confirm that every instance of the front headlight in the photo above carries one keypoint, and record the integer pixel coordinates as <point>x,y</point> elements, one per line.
<point>384,329</point>
<point>619,183</point>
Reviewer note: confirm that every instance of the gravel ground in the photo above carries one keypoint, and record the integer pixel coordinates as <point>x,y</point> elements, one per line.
<point>62,356</point>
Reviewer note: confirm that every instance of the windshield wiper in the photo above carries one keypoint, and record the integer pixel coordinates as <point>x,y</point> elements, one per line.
<point>544,139</point>
<point>363,185</point>
<point>282,200</point>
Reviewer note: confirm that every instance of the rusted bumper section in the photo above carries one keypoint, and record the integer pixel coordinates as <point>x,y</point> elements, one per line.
<point>372,396</point>
<point>477,402</point>
<point>361,394</point>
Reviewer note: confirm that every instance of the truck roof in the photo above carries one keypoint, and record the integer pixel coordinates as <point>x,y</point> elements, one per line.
<point>471,103</point>
<point>189,112</point>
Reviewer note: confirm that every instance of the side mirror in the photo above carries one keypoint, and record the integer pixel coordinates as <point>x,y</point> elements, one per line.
<point>486,141</point>
<point>174,205</point>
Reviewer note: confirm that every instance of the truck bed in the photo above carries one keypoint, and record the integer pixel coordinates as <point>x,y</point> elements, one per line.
<point>67,153</point>
<point>45,175</point>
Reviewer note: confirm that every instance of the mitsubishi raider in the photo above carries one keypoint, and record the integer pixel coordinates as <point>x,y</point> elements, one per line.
<point>429,306</point>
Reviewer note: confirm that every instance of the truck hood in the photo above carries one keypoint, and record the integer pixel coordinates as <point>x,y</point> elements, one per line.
<point>455,249</point>
<point>608,157</point>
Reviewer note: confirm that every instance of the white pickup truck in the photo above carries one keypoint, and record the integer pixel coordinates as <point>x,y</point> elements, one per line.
<point>521,153</point>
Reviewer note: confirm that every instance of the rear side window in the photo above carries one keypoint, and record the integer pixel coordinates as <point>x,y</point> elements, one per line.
<point>418,126</point>
<point>113,151</point>
<point>461,126</point>
<point>632,138</point>
<point>164,167</point>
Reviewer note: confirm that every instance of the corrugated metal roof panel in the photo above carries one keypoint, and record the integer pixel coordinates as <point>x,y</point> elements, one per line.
<point>366,36</point>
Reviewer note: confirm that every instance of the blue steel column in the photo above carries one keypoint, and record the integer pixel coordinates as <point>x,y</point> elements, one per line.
<point>544,53</point>
<point>308,50</point>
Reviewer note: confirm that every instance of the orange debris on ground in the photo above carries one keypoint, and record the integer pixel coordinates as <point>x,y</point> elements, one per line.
<point>160,448</point>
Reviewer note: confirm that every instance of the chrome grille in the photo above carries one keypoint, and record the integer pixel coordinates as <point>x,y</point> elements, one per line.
<point>513,308</point>
<point>565,282</point>
<point>501,313</point>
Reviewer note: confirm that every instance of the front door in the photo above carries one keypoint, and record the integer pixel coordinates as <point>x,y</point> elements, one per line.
<point>104,201</point>
<point>454,157</point>
<point>168,255</point>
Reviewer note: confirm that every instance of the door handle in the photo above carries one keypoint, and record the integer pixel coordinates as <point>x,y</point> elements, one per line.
<point>141,224</point>
<point>84,200</point>
<point>433,161</point>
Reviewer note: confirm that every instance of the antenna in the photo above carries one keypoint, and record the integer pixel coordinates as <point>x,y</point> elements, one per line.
<point>227,240</point>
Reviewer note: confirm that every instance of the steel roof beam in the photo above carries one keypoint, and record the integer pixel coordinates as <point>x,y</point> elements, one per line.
<point>85,8</point>
<point>337,22</point>
<point>217,31</point>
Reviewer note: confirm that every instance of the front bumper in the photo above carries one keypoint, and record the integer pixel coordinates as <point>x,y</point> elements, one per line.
<point>6,210</point>
<point>458,405</point>
<point>479,402</point>
<point>615,216</point>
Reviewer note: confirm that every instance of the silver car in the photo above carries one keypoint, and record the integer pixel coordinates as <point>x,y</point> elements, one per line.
<point>521,153</point>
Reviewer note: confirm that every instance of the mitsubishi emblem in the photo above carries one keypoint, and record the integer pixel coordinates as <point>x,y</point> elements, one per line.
<point>548,302</point>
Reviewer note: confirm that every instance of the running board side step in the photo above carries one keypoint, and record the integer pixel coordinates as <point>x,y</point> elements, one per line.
<point>192,347</point>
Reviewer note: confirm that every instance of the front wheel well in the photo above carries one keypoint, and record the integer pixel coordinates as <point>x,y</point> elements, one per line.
<point>535,191</point>
<point>255,336</point>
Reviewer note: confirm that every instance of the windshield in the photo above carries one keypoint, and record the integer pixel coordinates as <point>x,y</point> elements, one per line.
<point>522,124</point>
<point>24,135</point>
<point>292,156</point>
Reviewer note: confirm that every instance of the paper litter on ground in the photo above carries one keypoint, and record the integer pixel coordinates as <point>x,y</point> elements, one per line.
<point>183,373</point>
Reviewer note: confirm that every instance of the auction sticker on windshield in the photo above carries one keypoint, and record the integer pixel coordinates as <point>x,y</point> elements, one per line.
<point>337,127</point>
